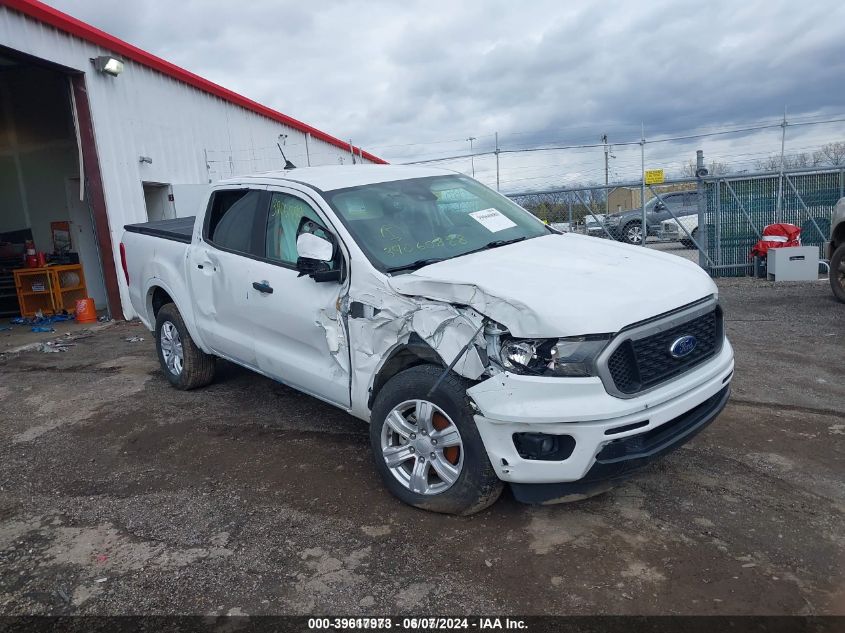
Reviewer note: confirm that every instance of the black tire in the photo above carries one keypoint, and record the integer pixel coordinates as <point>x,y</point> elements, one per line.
<point>688,243</point>
<point>477,486</point>
<point>197,367</point>
<point>837,273</point>
<point>629,231</point>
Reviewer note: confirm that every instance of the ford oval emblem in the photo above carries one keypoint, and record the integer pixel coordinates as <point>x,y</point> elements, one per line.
<point>683,346</point>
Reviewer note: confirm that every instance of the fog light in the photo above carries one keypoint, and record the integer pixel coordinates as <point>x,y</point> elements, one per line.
<point>543,446</point>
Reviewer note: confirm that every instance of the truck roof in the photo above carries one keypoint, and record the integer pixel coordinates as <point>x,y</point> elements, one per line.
<point>340,176</point>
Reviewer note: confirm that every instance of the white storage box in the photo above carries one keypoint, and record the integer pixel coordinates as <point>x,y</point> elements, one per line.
<point>797,263</point>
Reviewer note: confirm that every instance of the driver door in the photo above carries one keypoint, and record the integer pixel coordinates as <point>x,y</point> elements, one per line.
<point>296,340</point>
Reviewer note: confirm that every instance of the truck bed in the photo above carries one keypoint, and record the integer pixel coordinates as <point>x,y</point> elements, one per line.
<point>177,229</point>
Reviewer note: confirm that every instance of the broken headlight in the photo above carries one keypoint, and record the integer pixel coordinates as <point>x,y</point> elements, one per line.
<point>568,357</point>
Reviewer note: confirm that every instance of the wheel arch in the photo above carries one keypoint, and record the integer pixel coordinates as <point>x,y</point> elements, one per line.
<point>156,298</point>
<point>415,352</point>
<point>837,238</point>
<point>158,295</point>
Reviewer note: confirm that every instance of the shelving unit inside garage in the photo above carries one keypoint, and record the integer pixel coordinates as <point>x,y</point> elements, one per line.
<point>51,290</point>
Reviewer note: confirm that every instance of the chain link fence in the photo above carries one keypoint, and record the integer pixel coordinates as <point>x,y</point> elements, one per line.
<point>738,209</point>
<point>714,220</point>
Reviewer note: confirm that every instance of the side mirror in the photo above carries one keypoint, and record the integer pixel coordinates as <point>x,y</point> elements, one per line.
<point>315,249</point>
<point>310,246</point>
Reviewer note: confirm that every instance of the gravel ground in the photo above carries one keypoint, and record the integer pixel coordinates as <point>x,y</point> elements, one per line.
<point>120,495</point>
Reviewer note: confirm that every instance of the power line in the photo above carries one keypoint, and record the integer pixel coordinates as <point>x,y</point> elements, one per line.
<point>668,139</point>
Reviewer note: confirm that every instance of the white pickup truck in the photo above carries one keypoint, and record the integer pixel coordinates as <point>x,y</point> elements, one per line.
<point>672,231</point>
<point>481,346</point>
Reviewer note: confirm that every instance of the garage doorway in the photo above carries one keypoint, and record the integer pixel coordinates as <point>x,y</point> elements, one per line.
<point>158,198</point>
<point>41,148</point>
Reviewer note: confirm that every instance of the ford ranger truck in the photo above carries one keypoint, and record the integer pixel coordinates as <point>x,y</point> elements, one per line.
<point>482,347</point>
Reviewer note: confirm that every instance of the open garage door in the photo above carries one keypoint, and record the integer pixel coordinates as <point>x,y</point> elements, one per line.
<point>44,204</point>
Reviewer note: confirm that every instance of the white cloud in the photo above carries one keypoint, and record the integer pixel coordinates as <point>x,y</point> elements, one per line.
<point>390,74</point>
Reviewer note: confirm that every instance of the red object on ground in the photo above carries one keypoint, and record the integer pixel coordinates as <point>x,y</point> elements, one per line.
<point>85,311</point>
<point>781,235</point>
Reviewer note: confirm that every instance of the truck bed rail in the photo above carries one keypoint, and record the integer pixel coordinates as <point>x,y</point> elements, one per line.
<point>177,229</point>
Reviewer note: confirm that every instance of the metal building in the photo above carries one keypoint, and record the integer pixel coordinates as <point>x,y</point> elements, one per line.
<point>96,133</point>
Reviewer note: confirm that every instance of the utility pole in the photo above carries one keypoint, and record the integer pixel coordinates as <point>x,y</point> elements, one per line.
<point>700,171</point>
<point>471,157</point>
<point>606,174</point>
<point>644,226</point>
<point>606,163</point>
<point>780,178</point>
<point>497,161</point>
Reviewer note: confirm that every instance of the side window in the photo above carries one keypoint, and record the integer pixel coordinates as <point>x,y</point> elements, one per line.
<point>286,213</point>
<point>231,220</point>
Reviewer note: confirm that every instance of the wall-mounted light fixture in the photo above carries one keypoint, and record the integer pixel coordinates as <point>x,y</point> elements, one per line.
<point>145,159</point>
<point>108,65</point>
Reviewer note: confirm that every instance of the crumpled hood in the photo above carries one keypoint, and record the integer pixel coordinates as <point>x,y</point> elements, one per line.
<point>562,285</point>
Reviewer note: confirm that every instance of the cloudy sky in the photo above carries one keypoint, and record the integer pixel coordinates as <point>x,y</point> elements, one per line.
<point>413,80</point>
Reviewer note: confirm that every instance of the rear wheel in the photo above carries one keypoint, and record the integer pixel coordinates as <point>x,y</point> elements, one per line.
<point>184,364</point>
<point>633,232</point>
<point>427,447</point>
<point>688,242</point>
<point>837,273</point>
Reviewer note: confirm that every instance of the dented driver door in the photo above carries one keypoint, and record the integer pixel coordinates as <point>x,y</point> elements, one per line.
<point>299,337</point>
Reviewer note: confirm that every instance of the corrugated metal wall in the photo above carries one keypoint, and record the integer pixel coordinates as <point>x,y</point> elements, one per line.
<point>145,113</point>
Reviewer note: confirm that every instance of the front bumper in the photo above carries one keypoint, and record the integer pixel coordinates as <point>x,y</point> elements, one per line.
<point>582,409</point>
<point>671,234</point>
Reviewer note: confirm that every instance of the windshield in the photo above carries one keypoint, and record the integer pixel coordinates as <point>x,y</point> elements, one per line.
<point>406,224</point>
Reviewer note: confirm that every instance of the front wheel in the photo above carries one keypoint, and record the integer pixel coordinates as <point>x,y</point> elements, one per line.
<point>427,449</point>
<point>633,232</point>
<point>837,273</point>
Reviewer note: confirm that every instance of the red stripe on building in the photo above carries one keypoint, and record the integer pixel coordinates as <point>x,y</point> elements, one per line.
<point>68,24</point>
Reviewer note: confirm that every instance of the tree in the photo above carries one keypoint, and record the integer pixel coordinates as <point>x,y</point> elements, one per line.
<point>715,168</point>
<point>790,161</point>
<point>831,154</point>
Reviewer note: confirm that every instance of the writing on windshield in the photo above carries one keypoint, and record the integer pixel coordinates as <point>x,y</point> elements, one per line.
<point>400,223</point>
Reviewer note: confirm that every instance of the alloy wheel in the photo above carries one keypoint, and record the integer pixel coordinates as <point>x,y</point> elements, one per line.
<point>422,447</point>
<point>171,348</point>
<point>634,234</point>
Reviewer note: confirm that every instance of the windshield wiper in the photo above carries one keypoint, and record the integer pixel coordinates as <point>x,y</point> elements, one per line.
<point>495,244</point>
<point>413,265</point>
<point>425,262</point>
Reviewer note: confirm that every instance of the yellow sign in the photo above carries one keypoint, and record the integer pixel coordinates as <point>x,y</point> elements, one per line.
<point>653,176</point>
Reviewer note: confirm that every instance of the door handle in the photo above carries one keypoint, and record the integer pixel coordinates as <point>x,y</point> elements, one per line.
<point>263,287</point>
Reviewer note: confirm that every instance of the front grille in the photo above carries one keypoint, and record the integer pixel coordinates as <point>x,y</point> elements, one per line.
<point>639,364</point>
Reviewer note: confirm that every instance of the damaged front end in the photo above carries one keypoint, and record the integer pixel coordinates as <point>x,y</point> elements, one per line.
<point>383,326</point>
<point>383,323</point>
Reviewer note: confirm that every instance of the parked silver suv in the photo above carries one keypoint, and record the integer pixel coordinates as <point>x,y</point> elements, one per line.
<point>837,251</point>
<point>626,226</point>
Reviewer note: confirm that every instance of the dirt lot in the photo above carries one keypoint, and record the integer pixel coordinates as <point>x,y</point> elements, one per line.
<point>119,494</point>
